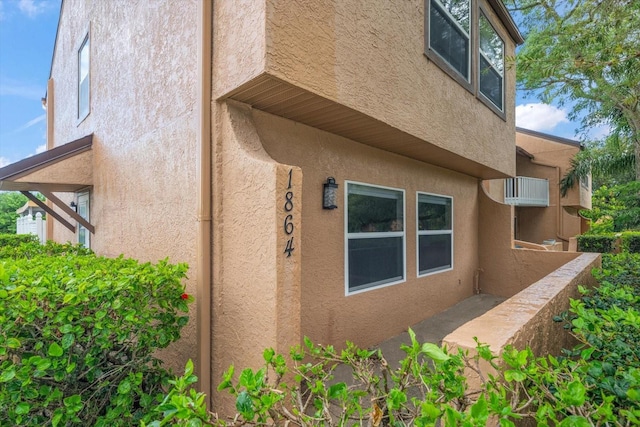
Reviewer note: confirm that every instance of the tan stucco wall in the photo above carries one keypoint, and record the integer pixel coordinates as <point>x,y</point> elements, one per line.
<point>328,316</point>
<point>256,292</point>
<point>559,154</point>
<point>551,161</point>
<point>143,95</point>
<point>368,57</point>
<point>505,270</point>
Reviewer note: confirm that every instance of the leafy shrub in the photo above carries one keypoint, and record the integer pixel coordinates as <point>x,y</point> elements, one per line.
<point>631,241</point>
<point>596,243</point>
<point>595,383</point>
<point>13,240</point>
<point>78,332</point>
<point>429,385</point>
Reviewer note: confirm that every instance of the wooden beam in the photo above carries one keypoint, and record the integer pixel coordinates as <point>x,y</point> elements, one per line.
<point>49,211</point>
<point>66,209</point>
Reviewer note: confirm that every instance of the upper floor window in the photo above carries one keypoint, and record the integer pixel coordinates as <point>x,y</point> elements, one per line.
<point>375,238</point>
<point>460,37</point>
<point>449,33</point>
<point>435,233</point>
<point>491,63</point>
<point>83,79</point>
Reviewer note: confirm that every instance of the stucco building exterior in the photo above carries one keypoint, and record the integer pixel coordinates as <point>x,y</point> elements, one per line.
<point>205,131</point>
<point>548,158</point>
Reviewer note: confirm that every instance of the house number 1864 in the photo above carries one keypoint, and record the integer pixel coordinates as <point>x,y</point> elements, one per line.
<point>288,219</point>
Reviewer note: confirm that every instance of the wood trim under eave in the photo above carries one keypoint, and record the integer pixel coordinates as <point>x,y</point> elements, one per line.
<point>66,209</point>
<point>49,211</point>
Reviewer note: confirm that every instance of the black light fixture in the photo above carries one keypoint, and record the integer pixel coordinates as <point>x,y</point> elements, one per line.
<point>330,194</point>
<point>73,206</point>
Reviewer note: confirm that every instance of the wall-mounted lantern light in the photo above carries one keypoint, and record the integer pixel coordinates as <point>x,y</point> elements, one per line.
<point>74,206</point>
<point>330,194</point>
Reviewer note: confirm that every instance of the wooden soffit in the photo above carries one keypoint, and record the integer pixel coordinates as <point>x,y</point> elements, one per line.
<point>66,168</point>
<point>274,96</point>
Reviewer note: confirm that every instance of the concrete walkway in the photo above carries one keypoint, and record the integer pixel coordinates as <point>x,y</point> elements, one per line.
<point>435,328</point>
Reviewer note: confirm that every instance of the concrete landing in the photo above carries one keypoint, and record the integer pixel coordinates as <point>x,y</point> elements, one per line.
<point>435,328</point>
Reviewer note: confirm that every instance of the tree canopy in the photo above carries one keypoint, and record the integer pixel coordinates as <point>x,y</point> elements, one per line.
<point>9,203</point>
<point>585,54</point>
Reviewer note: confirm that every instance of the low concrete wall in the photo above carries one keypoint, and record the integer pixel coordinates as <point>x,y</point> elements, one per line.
<point>526,319</point>
<point>505,271</point>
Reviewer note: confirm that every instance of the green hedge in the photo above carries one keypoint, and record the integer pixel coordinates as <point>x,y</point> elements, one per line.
<point>603,243</point>
<point>13,240</point>
<point>631,242</point>
<point>78,333</point>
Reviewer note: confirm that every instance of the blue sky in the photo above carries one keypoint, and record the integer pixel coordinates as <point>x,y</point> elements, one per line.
<point>27,35</point>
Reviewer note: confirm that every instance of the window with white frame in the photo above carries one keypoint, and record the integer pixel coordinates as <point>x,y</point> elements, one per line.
<point>449,33</point>
<point>375,238</point>
<point>435,233</point>
<point>83,79</point>
<point>491,63</point>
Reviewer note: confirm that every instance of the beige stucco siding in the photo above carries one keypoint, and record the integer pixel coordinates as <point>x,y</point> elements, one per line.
<point>369,57</point>
<point>142,100</point>
<point>327,315</point>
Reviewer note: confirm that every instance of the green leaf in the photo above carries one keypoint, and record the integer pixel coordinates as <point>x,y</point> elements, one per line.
<point>575,421</point>
<point>514,375</point>
<point>13,343</point>
<point>8,374</point>
<point>55,350</point>
<point>67,341</point>
<point>336,390</point>
<point>574,394</point>
<point>479,409</point>
<point>268,354</point>
<point>244,405</point>
<point>395,399</point>
<point>22,408</point>
<point>435,352</point>
<point>124,387</point>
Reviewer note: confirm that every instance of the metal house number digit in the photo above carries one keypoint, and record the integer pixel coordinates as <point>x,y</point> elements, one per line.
<point>288,220</point>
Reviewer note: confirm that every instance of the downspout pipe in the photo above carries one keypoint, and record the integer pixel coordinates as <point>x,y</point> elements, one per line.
<point>204,217</point>
<point>559,221</point>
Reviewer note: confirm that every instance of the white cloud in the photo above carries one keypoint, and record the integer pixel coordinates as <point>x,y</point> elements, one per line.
<point>32,8</point>
<point>31,123</point>
<point>13,87</point>
<point>41,148</point>
<point>1,10</point>
<point>4,162</point>
<point>539,116</point>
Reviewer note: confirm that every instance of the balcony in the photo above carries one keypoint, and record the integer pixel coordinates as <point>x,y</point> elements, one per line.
<point>524,191</point>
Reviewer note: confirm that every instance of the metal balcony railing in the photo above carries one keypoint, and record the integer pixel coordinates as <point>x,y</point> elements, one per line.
<point>525,191</point>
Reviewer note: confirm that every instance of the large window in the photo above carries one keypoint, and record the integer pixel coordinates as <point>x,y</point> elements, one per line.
<point>83,79</point>
<point>449,29</point>
<point>375,237</point>
<point>459,38</point>
<point>491,63</point>
<point>435,233</point>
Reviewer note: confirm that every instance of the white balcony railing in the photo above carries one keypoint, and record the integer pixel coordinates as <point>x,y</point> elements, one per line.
<point>524,191</point>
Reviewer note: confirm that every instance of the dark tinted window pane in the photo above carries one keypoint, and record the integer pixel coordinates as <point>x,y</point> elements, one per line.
<point>490,83</point>
<point>373,209</point>
<point>374,262</point>
<point>434,213</point>
<point>435,252</point>
<point>448,40</point>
